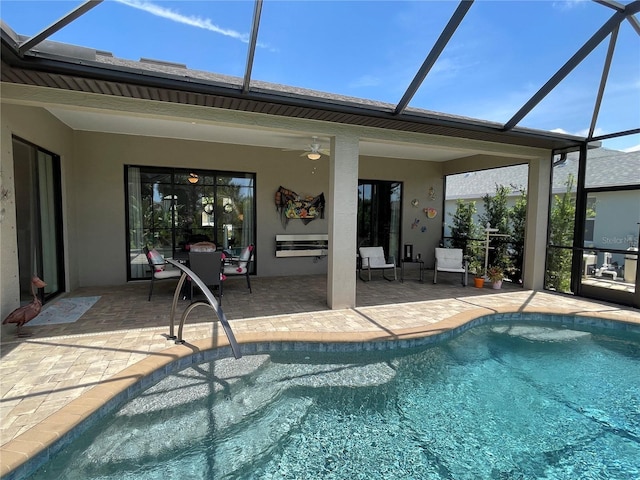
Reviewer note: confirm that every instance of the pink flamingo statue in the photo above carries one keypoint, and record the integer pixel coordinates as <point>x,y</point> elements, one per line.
<point>26,313</point>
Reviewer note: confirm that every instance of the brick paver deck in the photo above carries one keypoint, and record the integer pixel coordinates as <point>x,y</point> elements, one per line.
<point>62,373</point>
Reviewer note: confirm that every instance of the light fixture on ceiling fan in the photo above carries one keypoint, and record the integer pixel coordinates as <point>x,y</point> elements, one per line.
<point>314,150</point>
<point>193,178</point>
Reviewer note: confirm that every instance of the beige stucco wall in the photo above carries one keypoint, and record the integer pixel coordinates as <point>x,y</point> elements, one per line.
<point>37,126</point>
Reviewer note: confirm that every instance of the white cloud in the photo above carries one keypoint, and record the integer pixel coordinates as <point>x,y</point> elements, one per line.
<point>585,131</point>
<point>580,133</point>
<point>568,4</point>
<point>635,148</point>
<point>198,22</point>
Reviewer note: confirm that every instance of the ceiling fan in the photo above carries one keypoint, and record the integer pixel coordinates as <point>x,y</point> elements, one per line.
<point>314,150</point>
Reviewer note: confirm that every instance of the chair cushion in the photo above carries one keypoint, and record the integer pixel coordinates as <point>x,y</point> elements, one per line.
<point>243,259</point>
<point>156,259</point>
<point>203,247</point>
<point>160,274</point>
<point>445,269</point>
<point>379,262</point>
<point>245,254</point>
<point>234,270</point>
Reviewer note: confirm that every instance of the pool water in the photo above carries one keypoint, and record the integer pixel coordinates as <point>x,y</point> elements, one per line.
<point>497,402</point>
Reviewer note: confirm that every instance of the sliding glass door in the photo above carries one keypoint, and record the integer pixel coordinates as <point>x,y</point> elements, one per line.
<point>379,215</point>
<point>38,218</point>
<point>169,209</point>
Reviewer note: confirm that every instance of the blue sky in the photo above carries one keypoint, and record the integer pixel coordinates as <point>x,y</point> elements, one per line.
<point>501,55</point>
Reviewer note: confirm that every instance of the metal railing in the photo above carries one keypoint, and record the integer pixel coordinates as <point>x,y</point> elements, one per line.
<point>210,302</point>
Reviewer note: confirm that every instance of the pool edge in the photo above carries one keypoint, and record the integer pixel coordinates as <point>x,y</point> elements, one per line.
<point>31,449</point>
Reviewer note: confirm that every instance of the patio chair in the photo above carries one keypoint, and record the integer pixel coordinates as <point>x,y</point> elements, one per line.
<point>240,265</point>
<point>372,258</point>
<point>208,267</point>
<point>450,260</point>
<point>158,264</point>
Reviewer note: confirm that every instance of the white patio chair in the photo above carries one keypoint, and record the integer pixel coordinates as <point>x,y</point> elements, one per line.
<point>450,260</point>
<point>372,258</point>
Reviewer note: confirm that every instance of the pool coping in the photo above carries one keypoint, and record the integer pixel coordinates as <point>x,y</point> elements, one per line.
<point>29,451</point>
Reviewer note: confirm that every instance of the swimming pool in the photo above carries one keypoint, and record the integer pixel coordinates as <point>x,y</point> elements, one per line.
<point>503,401</point>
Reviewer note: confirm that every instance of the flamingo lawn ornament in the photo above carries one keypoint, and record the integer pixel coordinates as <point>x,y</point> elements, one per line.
<point>26,313</point>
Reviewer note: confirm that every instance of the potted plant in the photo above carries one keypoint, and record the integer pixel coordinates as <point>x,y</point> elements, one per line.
<point>475,268</point>
<point>496,275</point>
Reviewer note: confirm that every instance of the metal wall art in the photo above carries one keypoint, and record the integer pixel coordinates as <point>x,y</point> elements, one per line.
<point>291,205</point>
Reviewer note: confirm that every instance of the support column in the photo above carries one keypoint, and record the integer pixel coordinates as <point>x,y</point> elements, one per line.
<point>343,215</point>
<point>535,243</point>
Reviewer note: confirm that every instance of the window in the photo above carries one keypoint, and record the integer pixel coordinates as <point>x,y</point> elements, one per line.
<point>590,219</point>
<point>168,209</point>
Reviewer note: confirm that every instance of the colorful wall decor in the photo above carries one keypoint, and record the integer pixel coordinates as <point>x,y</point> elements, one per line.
<point>430,212</point>
<point>291,205</point>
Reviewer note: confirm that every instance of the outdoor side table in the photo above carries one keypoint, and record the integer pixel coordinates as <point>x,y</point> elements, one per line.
<point>420,267</point>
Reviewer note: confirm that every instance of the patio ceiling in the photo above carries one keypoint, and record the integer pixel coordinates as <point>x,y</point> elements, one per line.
<point>34,60</point>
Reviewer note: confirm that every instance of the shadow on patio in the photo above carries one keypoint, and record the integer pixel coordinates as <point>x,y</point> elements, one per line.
<point>126,307</point>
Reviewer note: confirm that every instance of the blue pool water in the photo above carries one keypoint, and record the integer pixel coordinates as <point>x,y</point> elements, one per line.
<point>497,402</point>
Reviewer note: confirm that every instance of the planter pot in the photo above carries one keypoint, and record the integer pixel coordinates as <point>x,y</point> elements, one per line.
<point>478,282</point>
<point>497,285</point>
